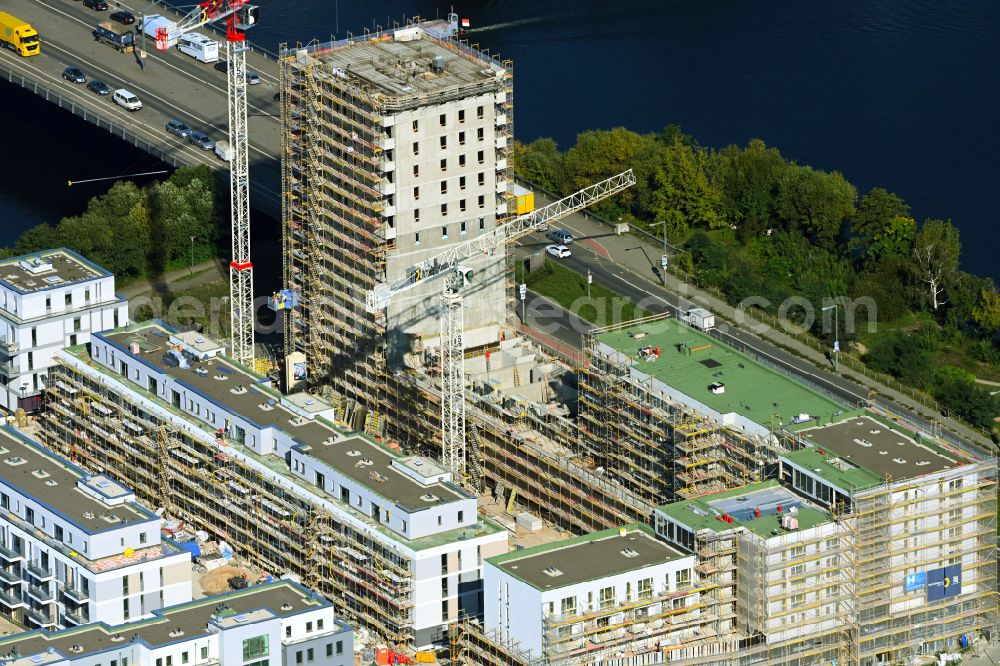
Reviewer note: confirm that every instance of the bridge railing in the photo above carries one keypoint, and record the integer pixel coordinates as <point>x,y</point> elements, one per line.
<point>270,55</point>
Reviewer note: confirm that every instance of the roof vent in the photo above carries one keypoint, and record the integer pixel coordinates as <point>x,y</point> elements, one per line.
<point>117,638</point>
<point>630,552</point>
<point>874,431</point>
<point>89,515</point>
<point>380,478</point>
<point>899,461</point>
<point>552,572</point>
<point>40,474</point>
<point>177,631</point>
<point>921,463</point>
<point>14,461</point>
<point>364,462</point>
<point>429,497</point>
<point>52,482</point>
<point>860,441</point>
<point>76,647</point>
<point>353,453</point>
<point>286,606</point>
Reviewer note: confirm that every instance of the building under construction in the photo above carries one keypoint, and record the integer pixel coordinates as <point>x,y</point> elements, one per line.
<point>389,538</point>
<point>394,147</point>
<point>671,412</point>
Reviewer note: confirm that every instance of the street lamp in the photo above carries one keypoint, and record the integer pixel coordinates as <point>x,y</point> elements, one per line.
<point>191,264</point>
<point>590,280</point>
<point>663,258</point>
<point>836,333</point>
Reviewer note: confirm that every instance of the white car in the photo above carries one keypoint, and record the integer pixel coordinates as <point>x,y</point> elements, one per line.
<point>126,99</point>
<point>559,251</point>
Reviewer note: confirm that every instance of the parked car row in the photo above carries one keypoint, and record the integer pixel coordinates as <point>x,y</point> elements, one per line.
<point>121,97</point>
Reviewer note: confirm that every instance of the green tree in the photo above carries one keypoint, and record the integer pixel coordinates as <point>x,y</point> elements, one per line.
<point>748,182</point>
<point>815,203</point>
<point>539,162</point>
<point>957,390</point>
<point>600,154</point>
<point>38,237</point>
<point>936,251</point>
<point>877,218</point>
<point>679,191</point>
<point>986,313</point>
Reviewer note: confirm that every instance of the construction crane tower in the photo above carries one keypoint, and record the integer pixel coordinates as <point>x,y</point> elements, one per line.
<point>239,16</point>
<point>450,265</point>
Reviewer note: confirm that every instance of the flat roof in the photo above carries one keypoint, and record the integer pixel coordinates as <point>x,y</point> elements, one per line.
<point>588,557</point>
<point>742,503</point>
<point>217,377</point>
<point>52,481</point>
<point>281,598</point>
<point>407,68</point>
<point>862,452</point>
<point>691,361</point>
<point>47,269</point>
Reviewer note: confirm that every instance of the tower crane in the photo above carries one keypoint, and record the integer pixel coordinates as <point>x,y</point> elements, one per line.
<point>239,16</point>
<point>450,265</point>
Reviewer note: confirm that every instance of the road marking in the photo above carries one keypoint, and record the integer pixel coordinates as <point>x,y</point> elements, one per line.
<point>182,71</point>
<point>646,291</point>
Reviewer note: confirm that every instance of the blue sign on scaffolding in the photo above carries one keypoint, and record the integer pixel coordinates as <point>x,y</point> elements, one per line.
<point>944,583</point>
<point>916,581</point>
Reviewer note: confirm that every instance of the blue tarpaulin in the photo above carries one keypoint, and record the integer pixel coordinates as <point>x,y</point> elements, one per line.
<point>191,547</point>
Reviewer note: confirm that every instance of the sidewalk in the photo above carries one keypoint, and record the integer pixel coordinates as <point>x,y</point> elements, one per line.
<point>641,257</point>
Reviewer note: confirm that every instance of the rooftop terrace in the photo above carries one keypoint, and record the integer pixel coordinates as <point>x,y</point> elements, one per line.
<point>588,557</point>
<point>216,379</point>
<point>742,503</point>
<point>46,270</point>
<point>52,482</point>
<point>862,452</point>
<point>691,362</point>
<point>282,599</point>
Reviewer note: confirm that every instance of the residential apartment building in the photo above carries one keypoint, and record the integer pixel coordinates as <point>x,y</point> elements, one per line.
<point>279,623</point>
<point>589,598</point>
<point>390,538</point>
<point>49,300</point>
<point>395,149</point>
<point>76,547</point>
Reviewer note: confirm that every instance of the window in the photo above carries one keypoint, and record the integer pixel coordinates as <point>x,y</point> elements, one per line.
<point>416,238</point>
<point>416,147</point>
<point>461,205</point>
<point>461,160</point>
<point>69,299</point>
<point>444,563</point>
<point>628,591</point>
<point>255,647</point>
<point>461,516</point>
<point>204,652</point>
<point>797,600</point>
<point>159,661</point>
<point>482,201</point>
<point>340,647</point>
<point>482,178</point>
<point>416,216</point>
<point>298,657</point>
<point>404,525</point>
<point>444,610</point>
<point>444,142</point>
<point>480,112</point>
<point>444,187</point>
<point>288,631</point>
<point>319,624</point>
<point>568,606</point>
<point>480,134</point>
<point>482,224</point>
<point>683,578</point>
<point>443,120</point>
<point>124,584</point>
<point>481,156</point>
<point>444,209</point>
<point>142,537</point>
<point>416,170</point>
<point>463,227</point>
<point>440,519</point>
<point>461,115</point>
<point>76,323</point>
<point>461,138</point>
<point>646,588</point>
<point>415,125</point>
<point>444,231</point>
<point>329,649</point>
<point>444,165</point>
<point>607,598</point>
<point>444,586</point>
<point>310,654</point>
<point>461,183</point>
<point>184,657</point>
<point>309,627</point>
<point>416,192</point>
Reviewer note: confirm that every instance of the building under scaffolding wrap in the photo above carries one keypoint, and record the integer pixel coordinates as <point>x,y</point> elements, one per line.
<point>672,413</point>
<point>389,538</point>
<point>394,146</point>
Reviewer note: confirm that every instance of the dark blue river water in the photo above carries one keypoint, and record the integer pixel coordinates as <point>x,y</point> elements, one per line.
<point>897,94</point>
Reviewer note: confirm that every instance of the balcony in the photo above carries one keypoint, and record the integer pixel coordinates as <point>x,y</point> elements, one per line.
<point>501,142</point>
<point>39,572</point>
<point>9,577</point>
<point>41,593</point>
<point>39,618</point>
<point>75,617</point>
<point>75,595</point>
<point>10,555</point>
<point>11,601</point>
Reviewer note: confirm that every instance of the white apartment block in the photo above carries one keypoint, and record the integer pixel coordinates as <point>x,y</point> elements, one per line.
<point>279,624</point>
<point>77,548</point>
<point>592,597</point>
<point>389,536</point>
<point>49,300</point>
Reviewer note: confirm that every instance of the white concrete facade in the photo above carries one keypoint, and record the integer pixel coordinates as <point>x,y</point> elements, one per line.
<point>49,300</point>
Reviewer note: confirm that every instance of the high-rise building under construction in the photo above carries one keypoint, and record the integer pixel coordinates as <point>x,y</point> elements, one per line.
<point>394,148</point>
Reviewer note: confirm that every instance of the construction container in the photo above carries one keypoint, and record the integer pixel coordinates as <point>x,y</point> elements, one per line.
<point>525,199</point>
<point>529,522</point>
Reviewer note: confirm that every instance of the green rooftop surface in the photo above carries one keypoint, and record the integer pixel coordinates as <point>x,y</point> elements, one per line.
<point>700,513</point>
<point>853,478</point>
<point>688,361</point>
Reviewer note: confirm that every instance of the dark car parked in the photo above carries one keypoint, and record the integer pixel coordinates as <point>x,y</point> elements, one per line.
<point>74,75</point>
<point>124,18</point>
<point>178,128</point>
<point>99,87</point>
<point>96,5</point>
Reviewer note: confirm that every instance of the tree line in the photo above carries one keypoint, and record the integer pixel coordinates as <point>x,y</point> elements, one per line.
<point>754,223</point>
<point>137,232</point>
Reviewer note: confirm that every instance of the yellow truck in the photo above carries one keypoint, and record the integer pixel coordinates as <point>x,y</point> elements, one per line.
<point>18,36</point>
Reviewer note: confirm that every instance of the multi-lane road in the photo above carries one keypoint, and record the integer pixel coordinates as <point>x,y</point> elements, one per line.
<point>169,84</point>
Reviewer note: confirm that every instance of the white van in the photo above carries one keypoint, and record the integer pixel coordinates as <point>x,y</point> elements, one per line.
<point>224,151</point>
<point>199,47</point>
<point>124,98</point>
